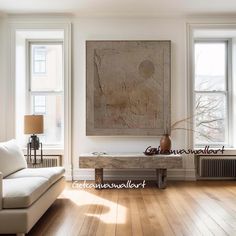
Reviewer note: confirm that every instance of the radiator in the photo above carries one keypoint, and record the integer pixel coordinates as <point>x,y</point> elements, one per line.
<point>216,166</point>
<point>48,161</point>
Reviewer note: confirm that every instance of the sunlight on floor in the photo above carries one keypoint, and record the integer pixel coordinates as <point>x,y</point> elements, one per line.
<point>82,197</point>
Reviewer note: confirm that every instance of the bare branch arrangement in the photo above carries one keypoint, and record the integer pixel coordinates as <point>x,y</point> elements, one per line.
<point>206,121</point>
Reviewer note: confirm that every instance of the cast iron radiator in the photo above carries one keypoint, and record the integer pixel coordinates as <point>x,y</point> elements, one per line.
<point>216,166</point>
<point>48,161</point>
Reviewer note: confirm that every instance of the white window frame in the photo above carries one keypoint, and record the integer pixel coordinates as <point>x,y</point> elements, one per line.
<point>227,91</point>
<point>28,24</point>
<point>30,94</point>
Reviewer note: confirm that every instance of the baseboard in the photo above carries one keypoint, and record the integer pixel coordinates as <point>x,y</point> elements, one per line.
<point>175,174</point>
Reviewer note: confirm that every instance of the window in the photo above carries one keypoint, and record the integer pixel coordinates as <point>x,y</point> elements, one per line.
<point>39,59</point>
<point>39,105</point>
<point>211,92</point>
<point>46,88</point>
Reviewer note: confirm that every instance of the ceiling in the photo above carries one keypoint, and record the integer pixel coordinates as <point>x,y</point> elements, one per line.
<point>120,7</point>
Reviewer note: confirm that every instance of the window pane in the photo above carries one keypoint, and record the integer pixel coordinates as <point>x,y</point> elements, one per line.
<point>46,67</point>
<point>210,66</point>
<point>53,118</point>
<point>210,118</point>
<point>39,67</point>
<point>40,53</point>
<point>39,60</point>
<point>39,105</point>
<point>39,100</point>
<point>36,67</point>
<point>39,110</point>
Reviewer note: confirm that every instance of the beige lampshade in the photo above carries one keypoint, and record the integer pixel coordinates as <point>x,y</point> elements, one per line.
<point>33,124</point>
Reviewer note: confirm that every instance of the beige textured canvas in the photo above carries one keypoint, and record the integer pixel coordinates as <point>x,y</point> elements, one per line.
<point>128,87</point>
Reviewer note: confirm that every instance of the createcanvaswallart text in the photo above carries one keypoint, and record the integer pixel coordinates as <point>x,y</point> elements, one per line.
<point>206,150</point>
<point>128,184</point>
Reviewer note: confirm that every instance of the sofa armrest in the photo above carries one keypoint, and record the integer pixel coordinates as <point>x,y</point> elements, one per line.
<point>1,177</point>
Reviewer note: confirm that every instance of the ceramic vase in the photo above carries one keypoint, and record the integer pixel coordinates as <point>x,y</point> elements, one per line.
<point>165,144</point>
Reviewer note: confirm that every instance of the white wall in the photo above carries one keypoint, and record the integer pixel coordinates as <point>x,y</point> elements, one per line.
<point>20,89</point>
<point>3,78</point>
<point>127,29</point>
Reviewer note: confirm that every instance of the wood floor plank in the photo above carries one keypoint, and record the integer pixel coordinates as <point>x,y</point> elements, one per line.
<point>170,213</point>
<point>82,201</point>
<point>93,213</point>
<point>108,221</point>
<point>156,216</point>
<point>146,225</point>
<point>124,225</point>
<point>211,208</point>
<point>135,218</point>
<point>226,202</point>
<point>189,209</point>
<point>223,197</point>
<point>183,214</point>
<point>211,224</point>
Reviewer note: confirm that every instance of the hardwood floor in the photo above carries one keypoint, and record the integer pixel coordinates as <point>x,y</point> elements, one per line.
<point>184,208</point>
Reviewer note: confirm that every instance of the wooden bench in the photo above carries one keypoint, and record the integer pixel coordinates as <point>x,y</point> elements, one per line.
<point>131,161</point>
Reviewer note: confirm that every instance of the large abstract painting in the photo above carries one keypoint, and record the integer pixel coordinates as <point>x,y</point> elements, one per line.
<point>128,88</point>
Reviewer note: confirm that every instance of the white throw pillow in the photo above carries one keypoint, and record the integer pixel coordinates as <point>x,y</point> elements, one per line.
<point>11,158</point>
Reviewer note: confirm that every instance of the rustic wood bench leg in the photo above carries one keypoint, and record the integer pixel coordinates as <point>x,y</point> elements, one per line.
<point>98,176</point>
<point>161,178</point>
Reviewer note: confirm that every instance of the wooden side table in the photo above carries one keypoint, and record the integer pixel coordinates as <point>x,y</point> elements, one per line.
<point>131,161</point>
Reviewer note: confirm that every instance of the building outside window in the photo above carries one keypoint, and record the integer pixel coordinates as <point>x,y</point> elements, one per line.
<point>39,104</point>
<point>39,59</point>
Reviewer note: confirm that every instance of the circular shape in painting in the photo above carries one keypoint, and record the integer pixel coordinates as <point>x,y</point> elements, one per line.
<point>146,69</point>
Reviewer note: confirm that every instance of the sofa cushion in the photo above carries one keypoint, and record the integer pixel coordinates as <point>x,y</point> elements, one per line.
<point>11,158</point>
<point>22,192</point>
<point>51,173</point>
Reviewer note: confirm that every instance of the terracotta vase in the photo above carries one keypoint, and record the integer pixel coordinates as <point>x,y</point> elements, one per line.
<point>165,144</point>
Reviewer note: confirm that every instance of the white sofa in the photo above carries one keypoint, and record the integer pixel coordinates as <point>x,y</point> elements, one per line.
<point>25,194</point>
